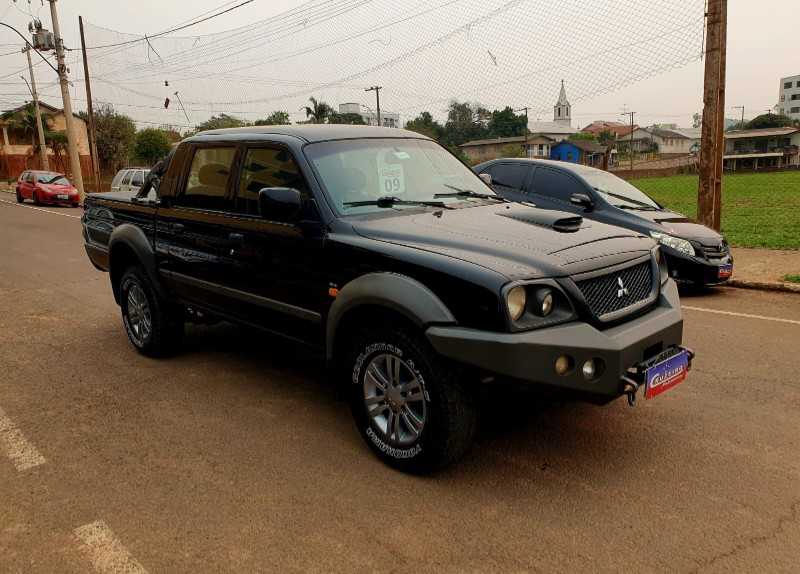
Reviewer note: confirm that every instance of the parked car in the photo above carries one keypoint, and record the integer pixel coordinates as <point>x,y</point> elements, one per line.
<point>46,187</point>
<point>129,179</point>
<point>416,280</point>
<point>695,254</point>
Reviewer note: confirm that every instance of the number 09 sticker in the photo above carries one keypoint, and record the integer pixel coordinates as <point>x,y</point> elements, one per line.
<point>390,170</point>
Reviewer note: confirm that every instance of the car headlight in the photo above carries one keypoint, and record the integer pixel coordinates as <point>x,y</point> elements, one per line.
<point>537,304</point>
<point>516,301</point>
<point>675,243</point>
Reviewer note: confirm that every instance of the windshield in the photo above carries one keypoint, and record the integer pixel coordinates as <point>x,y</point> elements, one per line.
<point>409,170</point>
<point>619,192</point>
<point>51,178</point>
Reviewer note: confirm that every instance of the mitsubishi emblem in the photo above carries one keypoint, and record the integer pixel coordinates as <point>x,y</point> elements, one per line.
<point>622,291</point>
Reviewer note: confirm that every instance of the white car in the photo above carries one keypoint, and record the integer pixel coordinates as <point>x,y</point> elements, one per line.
<point>129,179</point>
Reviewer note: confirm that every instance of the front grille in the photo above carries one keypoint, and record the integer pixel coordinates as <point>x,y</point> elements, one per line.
<point>715,251</point>
<point>605,295</point>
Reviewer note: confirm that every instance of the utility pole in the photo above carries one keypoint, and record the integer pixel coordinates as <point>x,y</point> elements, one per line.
<point>709,192</point>
<point>526,115</point>
<point>40,128</point>
<point>741,124</point>
<point>378,98</point>
<point>90,110</point>
<point>75,159</point>
<point>630,150</point>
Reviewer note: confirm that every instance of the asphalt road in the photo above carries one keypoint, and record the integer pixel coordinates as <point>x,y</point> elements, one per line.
<point>234,455</point>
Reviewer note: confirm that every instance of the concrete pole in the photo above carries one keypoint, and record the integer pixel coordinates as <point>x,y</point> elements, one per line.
<point>708,143</point>
<point>42,144</point>
<point>75,159</point>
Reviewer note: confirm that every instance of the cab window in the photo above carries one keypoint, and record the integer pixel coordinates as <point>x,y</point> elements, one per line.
<point>207,180</point>
<point>266,167</point>
<point>555,185</point>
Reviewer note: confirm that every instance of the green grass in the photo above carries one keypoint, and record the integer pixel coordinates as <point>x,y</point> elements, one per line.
<point>791,278</point>
<point>758,209</point>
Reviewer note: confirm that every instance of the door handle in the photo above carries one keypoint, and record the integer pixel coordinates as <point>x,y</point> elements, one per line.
<point>236,239</point>
<point>177,228</point>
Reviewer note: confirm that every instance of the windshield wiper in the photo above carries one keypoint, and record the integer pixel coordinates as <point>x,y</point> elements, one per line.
<point>391,200</point>
<point>469,193</point>
<point>637,207</point>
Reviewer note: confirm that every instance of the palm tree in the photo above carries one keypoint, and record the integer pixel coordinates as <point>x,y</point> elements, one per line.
<point>24,119</point>
<point>318,111</point>
<point>58,142</point>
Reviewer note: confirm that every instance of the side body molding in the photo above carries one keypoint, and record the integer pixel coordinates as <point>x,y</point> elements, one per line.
<point>396,292</point>
<point>135,239</point>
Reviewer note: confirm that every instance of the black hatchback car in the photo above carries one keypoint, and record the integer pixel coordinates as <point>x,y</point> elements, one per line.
<point>695,254</point>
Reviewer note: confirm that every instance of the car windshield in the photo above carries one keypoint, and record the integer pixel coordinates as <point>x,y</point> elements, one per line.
<point>619,192</point>
<point>360,176</point>
<point>51,178</point>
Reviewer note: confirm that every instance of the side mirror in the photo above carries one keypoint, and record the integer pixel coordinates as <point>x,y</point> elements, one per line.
<point>583,200</point>
<point>279,203</point>
<point>487,178</point>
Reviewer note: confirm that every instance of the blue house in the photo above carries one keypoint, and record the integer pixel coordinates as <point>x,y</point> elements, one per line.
<point>584,152</point>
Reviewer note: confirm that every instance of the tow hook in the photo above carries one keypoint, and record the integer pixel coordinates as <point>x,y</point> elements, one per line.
<point>630,390</point>
<point>691,354</point>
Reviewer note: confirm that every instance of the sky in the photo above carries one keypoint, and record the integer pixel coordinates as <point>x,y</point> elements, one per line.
<point>761,50</point>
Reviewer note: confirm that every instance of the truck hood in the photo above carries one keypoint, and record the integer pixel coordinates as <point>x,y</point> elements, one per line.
<point>681,226</point>
<point>512,239</point>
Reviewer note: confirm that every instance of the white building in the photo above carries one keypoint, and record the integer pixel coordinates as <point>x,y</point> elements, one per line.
<point>561,126</point>
<point>388,119</point>
<point>762,148</point>
<point>789,97</point>
<point>669,142</point>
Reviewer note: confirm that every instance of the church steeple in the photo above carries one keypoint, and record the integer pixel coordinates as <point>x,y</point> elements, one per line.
<point>562,111</point>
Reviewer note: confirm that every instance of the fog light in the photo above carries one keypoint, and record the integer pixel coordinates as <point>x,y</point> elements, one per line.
<point>588,370</point>
<point>563,364</point>
<point>547,304</point>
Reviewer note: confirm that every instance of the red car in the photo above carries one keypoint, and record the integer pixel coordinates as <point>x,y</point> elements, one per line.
<point>46,187</point>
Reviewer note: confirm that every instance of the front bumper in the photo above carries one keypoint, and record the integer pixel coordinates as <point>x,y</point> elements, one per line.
<point>684,269</point>
<point>530,357</point>
<point>70,198</point>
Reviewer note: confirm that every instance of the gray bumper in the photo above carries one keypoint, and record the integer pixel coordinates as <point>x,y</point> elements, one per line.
<point>531,356</point>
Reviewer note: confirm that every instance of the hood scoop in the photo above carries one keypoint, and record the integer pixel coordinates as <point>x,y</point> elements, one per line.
<point>556,220</point>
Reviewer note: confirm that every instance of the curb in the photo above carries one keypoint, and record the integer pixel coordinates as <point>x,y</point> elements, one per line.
<point>763,286</point>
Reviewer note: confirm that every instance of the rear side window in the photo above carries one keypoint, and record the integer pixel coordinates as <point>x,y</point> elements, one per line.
<point>137,178</point>
<point>555,185</point>
<point>127,179</point>
<point>30,178</point>
<point>118,178</point>
<point>266,167</point>
<point>208,178</point>
<point>510,175</point>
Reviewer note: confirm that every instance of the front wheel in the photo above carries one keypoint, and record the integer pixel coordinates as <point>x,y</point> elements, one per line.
<point>407,403</point>
<point>154,327</point>
<point>36,199</point>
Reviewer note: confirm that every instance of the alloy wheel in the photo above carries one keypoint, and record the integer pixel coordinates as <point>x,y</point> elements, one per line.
<point>394,399</point>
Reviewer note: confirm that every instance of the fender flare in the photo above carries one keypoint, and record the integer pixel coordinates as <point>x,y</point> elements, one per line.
<point>397,292</point>
<point>135,239</point>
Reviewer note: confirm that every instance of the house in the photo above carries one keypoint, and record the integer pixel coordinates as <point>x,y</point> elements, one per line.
<point>534,145</point>
<point>17,152</point>
<point>584,152</point>
<point>789,97</point>
<point>762,148</point>
<point>695,135</point>
<point>617,129</point>
<point>667,142</point>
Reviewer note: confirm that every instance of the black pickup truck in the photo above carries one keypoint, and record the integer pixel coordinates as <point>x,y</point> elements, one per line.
<point>379,246</point>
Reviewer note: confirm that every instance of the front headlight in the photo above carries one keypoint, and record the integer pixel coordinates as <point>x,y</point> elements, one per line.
<point>537,304</point>
<point>517,299</point>
<point>675,243</point>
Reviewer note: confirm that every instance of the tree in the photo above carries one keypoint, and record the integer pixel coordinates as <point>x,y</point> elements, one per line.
<point>151,146</point>
<point>465,122</point>
<point>606,138</point>
<point>348,118</point>
<point>59,143</point>
<point>697,120</point>
<point>24,119</point>
<point>425,124</point>
<point>769,121</point>
<point>586,136</point>
<point>115,134</point>
<point>318,111</point>
<point>512,150</point>
<point>275,119</point>
<point>505,123</point>
<point>220,122</point>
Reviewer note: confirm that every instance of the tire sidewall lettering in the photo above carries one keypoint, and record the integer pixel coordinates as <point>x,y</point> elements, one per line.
<point>400,453</point>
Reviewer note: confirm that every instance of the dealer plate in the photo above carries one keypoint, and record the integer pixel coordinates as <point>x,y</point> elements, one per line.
<point>725,271</point>
<point>666,374</point>
<point>62,196</point>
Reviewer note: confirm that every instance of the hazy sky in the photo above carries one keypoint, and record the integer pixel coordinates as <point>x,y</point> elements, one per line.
<point>762,48</point>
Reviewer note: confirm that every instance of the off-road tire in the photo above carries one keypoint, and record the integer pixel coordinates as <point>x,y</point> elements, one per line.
<point>449,405</point>
<point>166,322</point>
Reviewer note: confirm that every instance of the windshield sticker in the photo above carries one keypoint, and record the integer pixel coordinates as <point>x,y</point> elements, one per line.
<point>401,155</point>
<point>391,176</point>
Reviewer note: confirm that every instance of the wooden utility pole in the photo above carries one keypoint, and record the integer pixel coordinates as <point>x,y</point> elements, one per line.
<point>630,150</point>
<point>40,128</point>
<point>90,110</point>
<point>378,98</point>
<point>709,192</point>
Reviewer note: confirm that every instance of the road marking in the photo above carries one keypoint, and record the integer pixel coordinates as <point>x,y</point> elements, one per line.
<point>39,209</point>
<point>776,319</point>
<point>106,551</point>
<point>22,453</point>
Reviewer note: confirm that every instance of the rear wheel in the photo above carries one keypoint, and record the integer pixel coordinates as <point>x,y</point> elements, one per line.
<point>20,199</point>
<point>154,326</point>
<point>407,402</point>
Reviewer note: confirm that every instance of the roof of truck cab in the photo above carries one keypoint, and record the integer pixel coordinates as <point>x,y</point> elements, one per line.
<point>311,132</point>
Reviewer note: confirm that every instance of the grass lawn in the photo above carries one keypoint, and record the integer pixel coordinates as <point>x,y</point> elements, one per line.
<point>758,209</point>
<point>791,278</point>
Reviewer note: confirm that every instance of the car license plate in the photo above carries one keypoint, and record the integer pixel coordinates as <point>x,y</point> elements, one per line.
<point>62,196</point>
<point>725,271</point>
<point>666,374</point>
